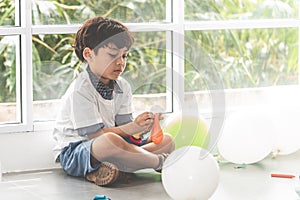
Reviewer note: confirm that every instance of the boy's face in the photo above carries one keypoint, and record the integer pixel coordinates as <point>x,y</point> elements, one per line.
<point>109,62</point>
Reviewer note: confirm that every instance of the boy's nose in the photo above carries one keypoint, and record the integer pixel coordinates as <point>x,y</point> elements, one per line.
<point>120,60</point>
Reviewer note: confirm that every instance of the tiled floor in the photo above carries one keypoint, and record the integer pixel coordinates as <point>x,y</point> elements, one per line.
<point>250,183</point>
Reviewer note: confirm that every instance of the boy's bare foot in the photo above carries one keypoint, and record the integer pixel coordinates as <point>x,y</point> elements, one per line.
<point>162,158</point>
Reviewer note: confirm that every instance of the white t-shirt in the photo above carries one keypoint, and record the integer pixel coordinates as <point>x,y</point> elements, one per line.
<point>83,106</point>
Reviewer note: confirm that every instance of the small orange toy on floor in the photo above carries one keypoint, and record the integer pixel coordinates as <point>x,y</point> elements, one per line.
<point>156,131</point>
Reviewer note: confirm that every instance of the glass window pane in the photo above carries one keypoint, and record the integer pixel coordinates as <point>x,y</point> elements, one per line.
<point>7,13</point>
<point>73,12</point>
<point>146,71</point>
<point>246,58</point>
<point>239,10</point>
<point>8,76</point>
<point>55,65</point>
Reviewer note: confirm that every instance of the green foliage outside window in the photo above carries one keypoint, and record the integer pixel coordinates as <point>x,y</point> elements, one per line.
<point>7,55</point>
<point>243,58</point>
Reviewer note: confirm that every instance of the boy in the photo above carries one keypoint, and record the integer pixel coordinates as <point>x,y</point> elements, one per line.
<point>95,123</point>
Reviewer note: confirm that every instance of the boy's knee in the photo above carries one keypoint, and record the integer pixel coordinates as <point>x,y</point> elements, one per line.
<point>113,137</point>
<point>169,140</point>
<point>168,137</point>
<point>116,141</point>
<point>108,138</point>
<point>111,141</point>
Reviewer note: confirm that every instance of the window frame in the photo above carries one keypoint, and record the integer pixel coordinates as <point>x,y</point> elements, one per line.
<point>24,78</point>
<point>23,68</point>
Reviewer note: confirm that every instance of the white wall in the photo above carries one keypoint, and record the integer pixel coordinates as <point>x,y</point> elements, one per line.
<point>26,151</point>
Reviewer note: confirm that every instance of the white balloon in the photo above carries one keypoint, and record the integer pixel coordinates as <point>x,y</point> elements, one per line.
<point>190,172</point>
<point>246,137</point>
<point>287,132</point>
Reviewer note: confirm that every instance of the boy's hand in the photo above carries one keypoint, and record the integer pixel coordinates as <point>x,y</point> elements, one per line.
<point>142,123</point>
<point>145,120</point>
<point>160,116</point>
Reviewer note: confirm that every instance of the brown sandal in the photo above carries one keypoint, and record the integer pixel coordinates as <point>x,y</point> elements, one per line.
<point>105,175</point>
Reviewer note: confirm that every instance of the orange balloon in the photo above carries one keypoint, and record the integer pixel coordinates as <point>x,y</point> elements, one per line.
<point>157,134</point>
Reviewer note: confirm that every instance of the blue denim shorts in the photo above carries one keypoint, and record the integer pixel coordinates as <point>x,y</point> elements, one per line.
<point>75,158</point>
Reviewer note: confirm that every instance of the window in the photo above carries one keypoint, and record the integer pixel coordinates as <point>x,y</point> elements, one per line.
<point>9,100</point>
<point>74,12</point>
<point>207,10</point>
<point>192,53</point>
<point>247,58</point>
<point>10,71</point>
<point>9,13</point>
<point>46,56</point>
<point>254,48</point>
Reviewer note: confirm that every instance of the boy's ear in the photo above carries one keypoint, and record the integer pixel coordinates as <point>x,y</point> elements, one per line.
<point>87,53</point>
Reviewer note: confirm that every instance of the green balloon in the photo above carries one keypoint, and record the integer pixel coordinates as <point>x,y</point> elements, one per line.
<point>188,130</point>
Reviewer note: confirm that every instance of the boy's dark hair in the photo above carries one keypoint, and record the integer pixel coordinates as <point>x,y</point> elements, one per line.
<point>98,32</point>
